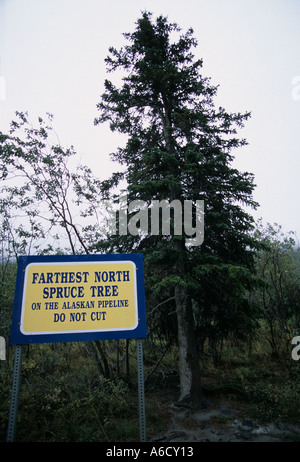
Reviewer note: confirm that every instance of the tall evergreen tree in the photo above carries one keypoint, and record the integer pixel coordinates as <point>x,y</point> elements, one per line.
<point>179,148</point>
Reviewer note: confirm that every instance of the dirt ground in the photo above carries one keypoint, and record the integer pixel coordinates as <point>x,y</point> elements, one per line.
<point>223,422</point>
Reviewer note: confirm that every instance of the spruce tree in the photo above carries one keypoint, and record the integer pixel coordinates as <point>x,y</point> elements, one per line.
<point>179,147</point>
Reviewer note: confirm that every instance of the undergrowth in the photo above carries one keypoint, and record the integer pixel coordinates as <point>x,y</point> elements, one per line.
<point>64,399</point>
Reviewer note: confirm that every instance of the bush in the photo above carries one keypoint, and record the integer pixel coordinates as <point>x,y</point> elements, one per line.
<point>62,398</point>
<point>274,401</point>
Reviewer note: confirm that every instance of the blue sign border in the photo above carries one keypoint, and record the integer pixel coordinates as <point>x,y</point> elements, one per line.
<point>18,338</point>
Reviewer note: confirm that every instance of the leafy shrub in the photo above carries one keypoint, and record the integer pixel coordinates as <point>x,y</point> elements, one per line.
<point>274,401</point>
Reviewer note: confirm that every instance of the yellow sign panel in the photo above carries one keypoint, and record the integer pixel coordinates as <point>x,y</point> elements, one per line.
<point>69,297</point>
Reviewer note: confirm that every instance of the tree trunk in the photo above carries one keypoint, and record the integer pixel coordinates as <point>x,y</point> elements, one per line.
<point>189,369</point>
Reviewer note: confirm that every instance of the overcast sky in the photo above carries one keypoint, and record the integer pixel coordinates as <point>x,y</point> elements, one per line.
<point>52,60</point>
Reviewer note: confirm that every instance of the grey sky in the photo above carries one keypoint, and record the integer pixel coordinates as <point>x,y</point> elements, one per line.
<point>52,59</point>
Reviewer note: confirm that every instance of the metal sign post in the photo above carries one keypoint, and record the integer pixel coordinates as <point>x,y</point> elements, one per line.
<point>13,413</point>
<point>141,390</point>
